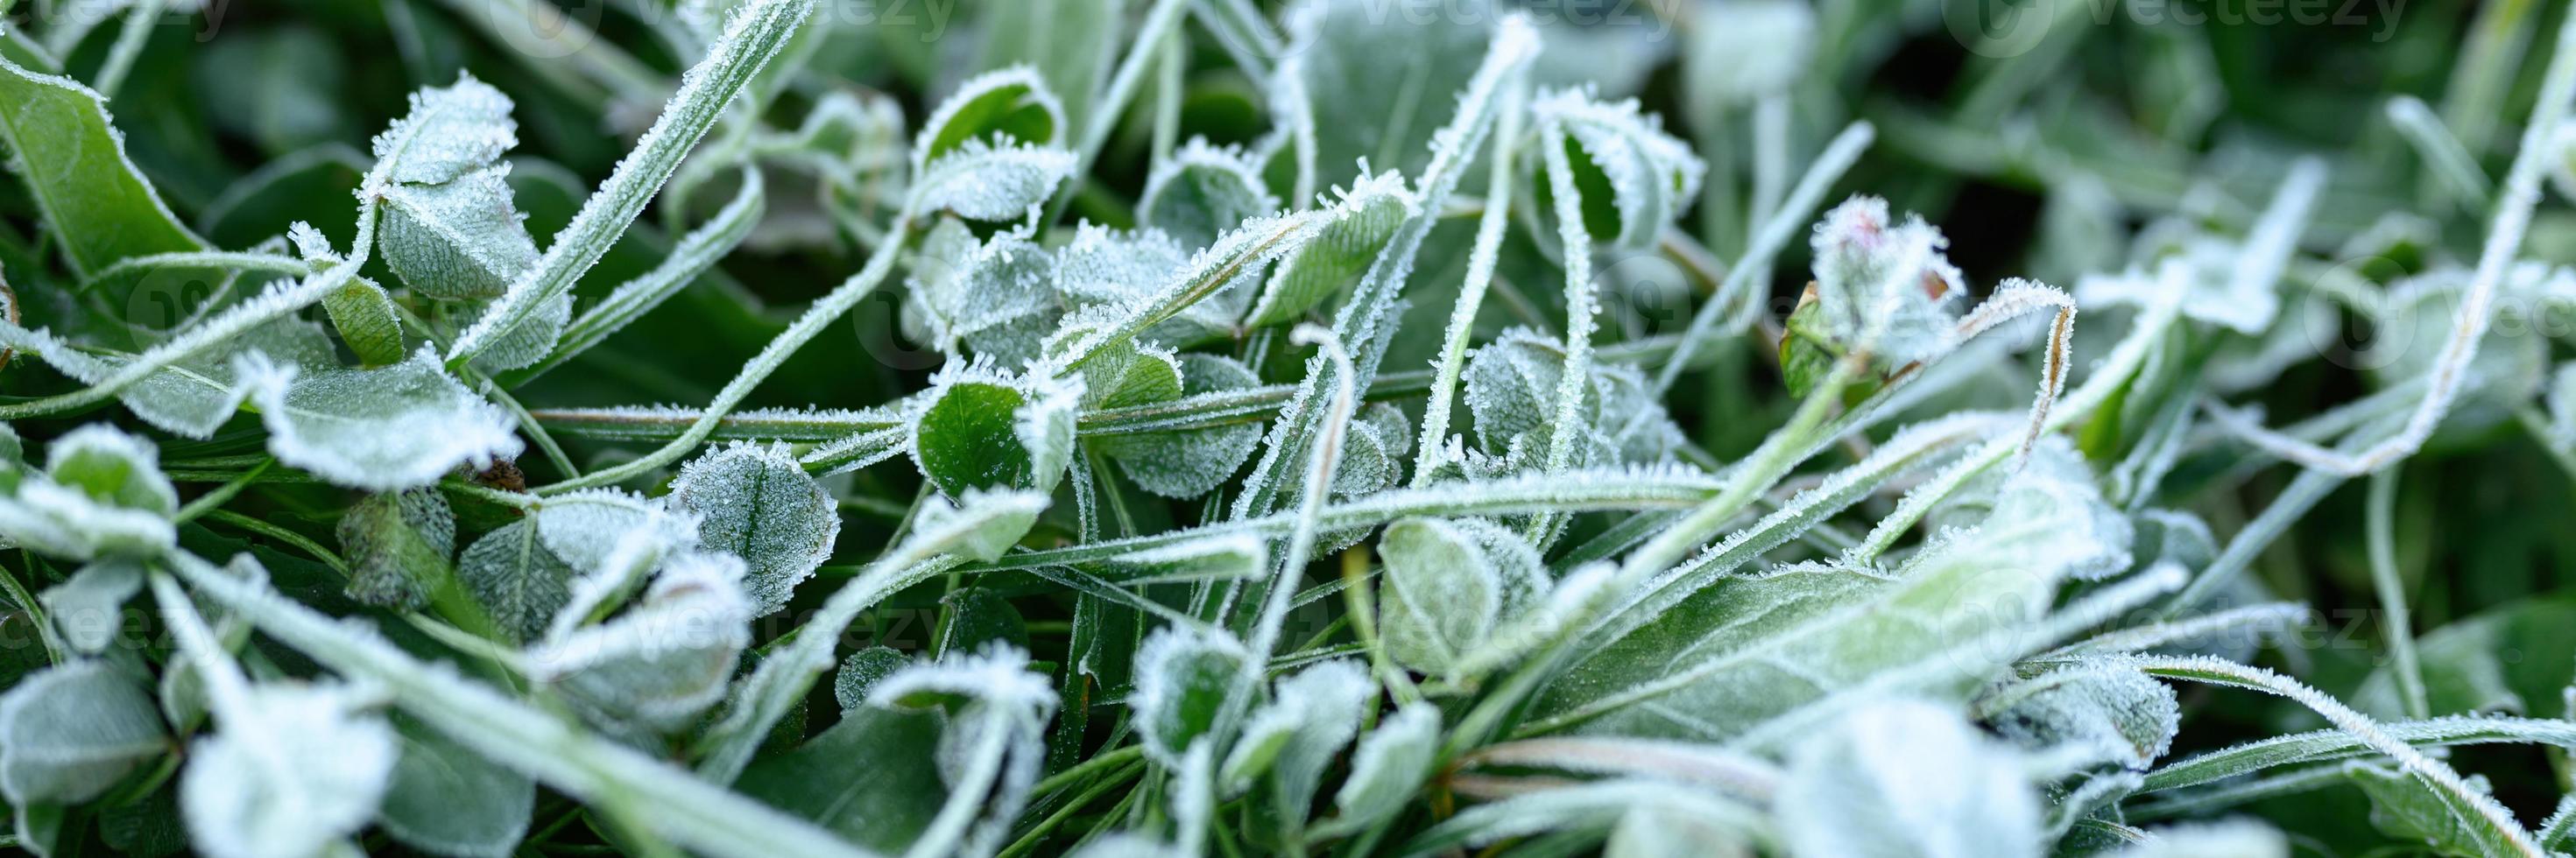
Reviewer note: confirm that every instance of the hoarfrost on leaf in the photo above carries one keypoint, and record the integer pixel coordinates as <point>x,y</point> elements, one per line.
<point>755,502</point>
<point>1202,192</point>
<point>461,239</point>
<point>1391,762</point>
<point>980,181</point>
<point>1633,178</point>
<point>997,301</point>
<point>1289,741</point>
<point>101,495</point>
<point>300,767</point>
<point>1906,777</point>
<point>516,579</point>
<point>664,659</point>
<point>386,429</point>
<point>1182,679</point>
<point>1009,104</point>
<point>1449,584</point>
<point>450,131</point>
<point>1189,463</point>
<point>2110,714</point>
<point>89,608</point>
<point>69,732</point>
<point>398,545</point>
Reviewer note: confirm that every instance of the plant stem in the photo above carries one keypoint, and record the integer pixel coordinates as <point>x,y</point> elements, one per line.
<point>1838,157</point>
<point>223,494</point>
<point>824,311</point>
<point>2472,808</point>
<point>1481,262</point>
<point>2379,518</point>
<point>757,33</point>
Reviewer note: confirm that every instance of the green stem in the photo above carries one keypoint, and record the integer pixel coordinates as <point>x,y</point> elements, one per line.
<point>1481,261</point>
<point>1037,833</point>
<point>1112,104</point>
<point>758,32</point>
<point>223,494</point>
<point>139,22</point>
<point>1838,157</point>
<point>771,357</point>
<point>2379,516</point>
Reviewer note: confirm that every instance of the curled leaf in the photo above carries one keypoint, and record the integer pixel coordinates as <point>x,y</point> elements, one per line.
<point>1005,105</point>
<point>667,657</point>
<point>1633,179</point>
<point>387,429</point>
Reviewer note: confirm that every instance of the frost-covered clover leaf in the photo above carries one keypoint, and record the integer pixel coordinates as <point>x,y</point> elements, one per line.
<point>1182,680</point>
<point>1511,386</point>
<point>665,658</point>
<point>298,767</point>
<point>613,532</point>
<point>756,503</point>
<point>859,674</point>
<point>1202,192</point>
<point>2110,714</point>
<point>386,429</point>
<point>1348,236</point>
<point>1188,463</point>
<point>451,227</point>
<point>101,494</point>
<point>1287,743</point>
<point>459,239</point>
<point>1449,585</point>
<point>88,609</point>
<point>996,299</point>
<point>1389,763</point>
<point>990,151</point>
<point>981,429</point>
<point>991,750</point>
<point>1374,446</point>
<point>1117,271</point>
<point>68,733</point>
<point>519,582</point>
<point>398,545</point>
